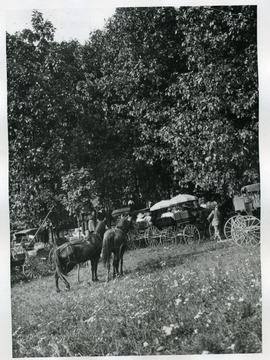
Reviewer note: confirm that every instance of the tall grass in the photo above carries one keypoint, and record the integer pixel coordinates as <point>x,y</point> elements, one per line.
<point>173,300</point>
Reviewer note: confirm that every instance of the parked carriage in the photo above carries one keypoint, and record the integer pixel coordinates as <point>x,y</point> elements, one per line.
<point>243,227</point>
<point>139,234</point>
<point>156,226</point>
<point>179,219</point>
<point>28,255</point>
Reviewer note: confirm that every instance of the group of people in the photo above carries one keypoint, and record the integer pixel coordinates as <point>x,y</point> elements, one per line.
<point>214,217</point>
<point>144,217</point>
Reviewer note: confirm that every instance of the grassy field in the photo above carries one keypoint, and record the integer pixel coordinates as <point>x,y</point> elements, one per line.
<point>181,299</point>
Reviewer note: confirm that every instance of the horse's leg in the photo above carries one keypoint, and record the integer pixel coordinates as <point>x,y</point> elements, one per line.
<point>114,269</point>
<point>121,264</point>
<point>116,264</point>
<point>78,272</point>
<point>122,250</point>
<point>56,276</point>
<point>108,269</point>
<point>96,266</point>
<point>93,269</point>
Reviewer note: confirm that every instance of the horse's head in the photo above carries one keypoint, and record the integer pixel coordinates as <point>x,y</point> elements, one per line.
<point>125,223</point>
<point>101,227</point>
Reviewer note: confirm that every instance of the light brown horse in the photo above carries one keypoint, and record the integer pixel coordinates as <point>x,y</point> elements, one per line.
<point>70,254</point>
<point>115,242</point>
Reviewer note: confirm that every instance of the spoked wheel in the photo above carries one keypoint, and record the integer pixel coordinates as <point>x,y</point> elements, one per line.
<point>133,240</point>
<point>174,234</point>
<point>246,230</point>
<point>163,236</point>
<point>35,267</point>
<point>153,236</point>
<point>191,234</point>
<point>17,275</point>
<point>228,227</point>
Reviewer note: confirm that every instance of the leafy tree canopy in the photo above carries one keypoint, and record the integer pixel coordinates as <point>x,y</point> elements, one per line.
<point>159,101</point>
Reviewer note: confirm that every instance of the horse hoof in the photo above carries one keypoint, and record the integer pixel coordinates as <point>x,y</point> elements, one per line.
<point>58,290</point>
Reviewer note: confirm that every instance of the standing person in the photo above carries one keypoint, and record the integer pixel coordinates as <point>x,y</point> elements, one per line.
<point>92,221</point>
<point>101,214</point>
<point>215,216</point>
<point>108,215</point>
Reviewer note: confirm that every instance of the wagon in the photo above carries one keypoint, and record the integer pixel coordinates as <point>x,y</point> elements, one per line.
<point>136,235</point>
<point>27,257</point>
<point>141,224</point>
<point>243,227</point>
<point>175,220</point>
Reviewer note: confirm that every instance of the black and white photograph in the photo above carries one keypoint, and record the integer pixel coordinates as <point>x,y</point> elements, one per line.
<point>135,193</point>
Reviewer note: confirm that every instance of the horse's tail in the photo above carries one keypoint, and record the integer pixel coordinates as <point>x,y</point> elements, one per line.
<point>106,253</point>
<point>51,256</point>
<point>58,266</point>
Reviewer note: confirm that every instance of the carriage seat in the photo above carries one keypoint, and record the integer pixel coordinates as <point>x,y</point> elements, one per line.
<point>182,216</point>
<point>141,224</point>
<point>163,222</point>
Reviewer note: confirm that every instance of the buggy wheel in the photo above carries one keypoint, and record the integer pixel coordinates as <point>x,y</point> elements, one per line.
<point>246,231</point>
<point>153,236</point>
<point>228,227</point>
<point>173,235</point>
<point>132,240</point>
<point>35,267</point>
<point>191,234</point>
<point>17,275</point>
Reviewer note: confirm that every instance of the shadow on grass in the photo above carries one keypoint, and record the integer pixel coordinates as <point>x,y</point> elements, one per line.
<point>162,259</point>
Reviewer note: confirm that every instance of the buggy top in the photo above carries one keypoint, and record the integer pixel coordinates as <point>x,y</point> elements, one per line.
<point>122,211</point>
<point>176,200</point>
<point>254,188</point>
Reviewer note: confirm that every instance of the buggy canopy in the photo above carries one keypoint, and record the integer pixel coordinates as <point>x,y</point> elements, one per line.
<point>26,232</point>
<point>160,205</point>
<point>144,210</point>
<point>121,211</point>
<point>250,188</point>
<point>181,198</point>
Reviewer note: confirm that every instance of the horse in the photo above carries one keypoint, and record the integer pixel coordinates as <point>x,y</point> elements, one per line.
<point>115,242</point>
<point>70,254</point>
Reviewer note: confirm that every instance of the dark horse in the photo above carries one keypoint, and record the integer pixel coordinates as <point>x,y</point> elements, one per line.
<point>115,242</point>
<point>70,254</point>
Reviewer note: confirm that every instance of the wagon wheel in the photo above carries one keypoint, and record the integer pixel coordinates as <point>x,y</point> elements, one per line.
<point>228,227</point>
<point>191,234</point>
<point>133,240</point>
<point>34,267</point>
<point>174,234</point>
<point>245,230</point>
<point>16,275</point>
<point>152,236</point>
<point>163,236</point>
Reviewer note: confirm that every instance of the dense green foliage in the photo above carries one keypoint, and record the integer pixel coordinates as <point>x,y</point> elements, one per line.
<point>160,100</point>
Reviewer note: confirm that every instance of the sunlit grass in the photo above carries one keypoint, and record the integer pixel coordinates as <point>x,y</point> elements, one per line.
<point>175,300</point>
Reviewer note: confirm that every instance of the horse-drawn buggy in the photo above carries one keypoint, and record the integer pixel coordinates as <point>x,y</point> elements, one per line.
<point>175,220</point>
<point>28,255</point>
<point>141,225</point>
<point>243,226</point>
<point>140,222</point>
<point>179,219</point>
